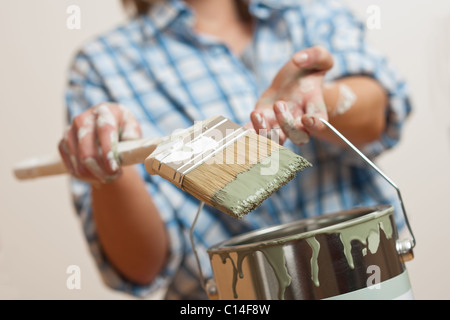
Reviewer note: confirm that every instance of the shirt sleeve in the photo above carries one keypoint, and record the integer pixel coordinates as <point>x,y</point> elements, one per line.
<point>331,24</point>
<point>86,89</point>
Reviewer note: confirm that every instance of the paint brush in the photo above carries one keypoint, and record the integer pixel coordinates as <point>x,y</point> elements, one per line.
<point>216,160</point>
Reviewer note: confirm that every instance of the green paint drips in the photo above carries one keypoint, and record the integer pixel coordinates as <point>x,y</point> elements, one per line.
<point>367,233</point>
<point>274,256</point>
<point>365,229</point>
<point>315,247</point>
<point>276,259</point>
<point>224,256</point>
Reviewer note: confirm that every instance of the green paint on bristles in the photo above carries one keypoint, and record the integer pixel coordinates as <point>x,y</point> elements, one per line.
<point>250,188</point>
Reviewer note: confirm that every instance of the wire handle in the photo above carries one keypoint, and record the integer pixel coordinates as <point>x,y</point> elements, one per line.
<point>194,249</point>
<point>404,247</point>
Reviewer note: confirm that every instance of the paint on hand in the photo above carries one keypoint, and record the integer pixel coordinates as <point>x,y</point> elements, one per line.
<point>269,114</point>
<point>92,165</point>
<point>291,126</point>
<point>131,128</point>
<point>261,120</point>
<point>347,99</point>
<point>316,108</point>
<point>87,127</point>
<point>105,116</point>
<point>112,156</point>
<point>130,131</point>
<point>307,85</point>
<point>73,160</point>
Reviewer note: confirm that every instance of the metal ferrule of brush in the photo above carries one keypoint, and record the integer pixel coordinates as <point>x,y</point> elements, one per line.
<point>180,154</point>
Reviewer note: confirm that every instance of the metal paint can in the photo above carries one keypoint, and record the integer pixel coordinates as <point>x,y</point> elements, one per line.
<point>352,254</point>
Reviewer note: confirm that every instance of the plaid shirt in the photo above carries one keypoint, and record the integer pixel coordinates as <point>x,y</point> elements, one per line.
<point>169,77</point>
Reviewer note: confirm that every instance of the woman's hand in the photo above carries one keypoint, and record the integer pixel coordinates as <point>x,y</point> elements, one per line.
<point>89,143</point>
<point>294,102</point>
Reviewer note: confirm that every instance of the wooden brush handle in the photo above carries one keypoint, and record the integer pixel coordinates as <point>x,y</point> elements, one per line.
<point>130,152</point>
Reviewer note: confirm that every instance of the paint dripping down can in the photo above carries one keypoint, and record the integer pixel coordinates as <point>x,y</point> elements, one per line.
<point>346,255</point>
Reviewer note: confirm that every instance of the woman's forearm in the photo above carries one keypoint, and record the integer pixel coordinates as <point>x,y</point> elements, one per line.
<point>365,120</point>
<point>130,230</point>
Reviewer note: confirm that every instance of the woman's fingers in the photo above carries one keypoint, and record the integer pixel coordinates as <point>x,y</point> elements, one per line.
<point>258,120</point>
<point>315,110</point>
<point>89,145</point>
<point>267,127</point>
<point>130,128</point>
<point>107,128</point>
<point>299,126</point>
<point>64,151</point>
<point>292,126</point>
<point>315,59</point>
<point>88,152</point>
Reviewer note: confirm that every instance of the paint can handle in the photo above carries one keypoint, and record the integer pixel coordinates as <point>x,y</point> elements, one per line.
<point>404,247</point>
<point>208,285</point>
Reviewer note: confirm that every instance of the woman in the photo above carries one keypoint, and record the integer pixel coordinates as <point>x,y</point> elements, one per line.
<point>267,64</point>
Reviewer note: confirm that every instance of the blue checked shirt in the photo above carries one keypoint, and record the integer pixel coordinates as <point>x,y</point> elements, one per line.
<point>169,77</point>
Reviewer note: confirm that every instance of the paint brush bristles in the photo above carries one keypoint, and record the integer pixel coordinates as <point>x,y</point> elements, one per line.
<point>239,187</point>
<point>234,176</point>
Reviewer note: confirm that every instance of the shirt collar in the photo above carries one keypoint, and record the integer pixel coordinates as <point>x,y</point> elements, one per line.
<point>164,13</point>
<point>263,9</point>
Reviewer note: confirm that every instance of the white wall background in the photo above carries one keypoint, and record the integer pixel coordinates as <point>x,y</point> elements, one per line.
<point>39,233</point>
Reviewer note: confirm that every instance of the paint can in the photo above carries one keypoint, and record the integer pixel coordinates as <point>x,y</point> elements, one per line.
<point>346,255</point>
<point>354,254</point>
